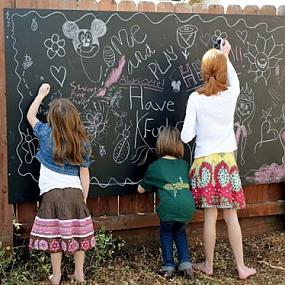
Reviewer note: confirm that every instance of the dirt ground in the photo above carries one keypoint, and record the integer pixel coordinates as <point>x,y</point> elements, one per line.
<point>138,266</point>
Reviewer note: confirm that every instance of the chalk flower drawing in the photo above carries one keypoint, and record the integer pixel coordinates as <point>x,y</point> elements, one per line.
<point>55,46</point>
<point>95,122</point>
<point>218,35</point>
<point>263,56</point>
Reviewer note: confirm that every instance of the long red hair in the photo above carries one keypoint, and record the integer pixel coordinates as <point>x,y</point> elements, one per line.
<point>214,72</point>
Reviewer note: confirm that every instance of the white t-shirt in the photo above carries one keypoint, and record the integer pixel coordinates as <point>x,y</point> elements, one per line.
<point>211,119</point>
<point>51,180</point>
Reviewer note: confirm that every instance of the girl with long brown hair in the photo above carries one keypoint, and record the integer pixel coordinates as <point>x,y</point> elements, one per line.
<point>214,174</point>
<point>63,223</point>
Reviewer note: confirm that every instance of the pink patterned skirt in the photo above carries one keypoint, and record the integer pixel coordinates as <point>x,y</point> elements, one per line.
<point>216,183</point>
<point>63,223</point>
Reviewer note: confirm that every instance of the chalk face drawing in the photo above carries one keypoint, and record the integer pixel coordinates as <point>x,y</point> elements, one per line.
<point>85,41</point>
<point>263,56</point>
<point>130,75</point>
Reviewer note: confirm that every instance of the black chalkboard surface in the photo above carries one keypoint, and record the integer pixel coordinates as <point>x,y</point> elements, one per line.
<point>130,74</point>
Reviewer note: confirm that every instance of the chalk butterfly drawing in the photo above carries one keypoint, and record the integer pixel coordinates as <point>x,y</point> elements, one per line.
<point>263,56</point>
<point>85,41</point>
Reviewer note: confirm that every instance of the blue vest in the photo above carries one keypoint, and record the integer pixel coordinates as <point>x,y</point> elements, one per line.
<point>45,153</point>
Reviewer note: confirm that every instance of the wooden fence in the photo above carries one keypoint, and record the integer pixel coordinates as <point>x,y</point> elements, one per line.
<point>133,215</point>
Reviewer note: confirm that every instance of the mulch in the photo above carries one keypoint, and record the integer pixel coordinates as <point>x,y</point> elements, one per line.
<point>138,266</point>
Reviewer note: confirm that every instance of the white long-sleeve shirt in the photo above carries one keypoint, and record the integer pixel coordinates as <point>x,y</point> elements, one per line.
<point>211,119</point>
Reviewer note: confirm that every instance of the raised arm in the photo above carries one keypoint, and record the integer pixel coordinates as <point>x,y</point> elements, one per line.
<point>233,81</point>
<point>33,110</point>
<point>188,131</point>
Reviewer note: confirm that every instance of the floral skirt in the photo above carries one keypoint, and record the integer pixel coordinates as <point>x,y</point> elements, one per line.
<point>216,183</point>
<point>63,223</point>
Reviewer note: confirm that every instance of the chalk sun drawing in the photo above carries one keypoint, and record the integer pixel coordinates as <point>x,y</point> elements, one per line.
<point>55,46</point>
<point>186,36</point>
<point>263,56</point>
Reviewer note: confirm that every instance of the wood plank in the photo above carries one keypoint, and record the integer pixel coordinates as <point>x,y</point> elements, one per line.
<point>107,5</point>
<point>281,10</point>
<point>276,192</point>
<point>200,8</point>
<point>256,193</point>
<point>6,210</point>
<point>216,9</point>
<point>127,5</point>
<point>165,7</point>
<point>183,8</point>
<point>145,203</point>
<point>93,206</point>
<point>268,10</point>
<point>87,5</point>
<point>149,220</point>
<point>128,204</point>
<point>108,206</point>
<point>234,9</point>
<point>251,10</point>
<point>146,6</point>
<point>26,212</point>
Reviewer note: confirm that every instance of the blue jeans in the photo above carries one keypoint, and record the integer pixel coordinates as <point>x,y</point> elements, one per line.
<point>174,232</point>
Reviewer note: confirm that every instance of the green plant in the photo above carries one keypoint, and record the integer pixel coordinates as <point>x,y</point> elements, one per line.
<point>20,266</point>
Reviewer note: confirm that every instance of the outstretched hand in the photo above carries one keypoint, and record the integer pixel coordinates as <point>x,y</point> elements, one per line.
<point>44,90</point>
<point>225,47</point>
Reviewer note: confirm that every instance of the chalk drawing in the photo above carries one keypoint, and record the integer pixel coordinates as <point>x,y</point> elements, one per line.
<point>55,46</point>
<point>263,56</point>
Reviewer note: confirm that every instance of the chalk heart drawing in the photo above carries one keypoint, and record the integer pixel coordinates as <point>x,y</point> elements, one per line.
<point>59,74</point>
<point>242,35</point>
<point>205,39</point>
<point>267,133</point>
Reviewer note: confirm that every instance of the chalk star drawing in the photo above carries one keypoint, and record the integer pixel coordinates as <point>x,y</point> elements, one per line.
<point>186,36</point>
<point>263,56</point>
<point>55,46</point>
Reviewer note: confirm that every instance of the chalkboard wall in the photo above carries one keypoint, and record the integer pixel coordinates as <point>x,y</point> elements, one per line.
<point>130,74</point>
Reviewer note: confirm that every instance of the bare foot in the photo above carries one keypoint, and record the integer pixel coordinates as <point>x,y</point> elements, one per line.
<point>55,280</point>
<point>203,267</point>
<point>77,277</point>
<point>246,272</point>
